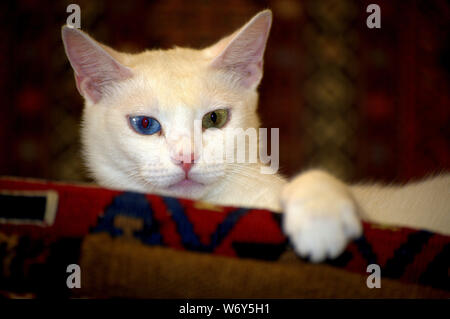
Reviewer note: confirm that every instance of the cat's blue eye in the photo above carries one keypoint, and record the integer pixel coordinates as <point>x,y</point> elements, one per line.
<point>145,125</point>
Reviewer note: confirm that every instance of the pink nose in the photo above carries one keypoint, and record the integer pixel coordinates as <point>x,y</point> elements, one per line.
<point>186,167</point>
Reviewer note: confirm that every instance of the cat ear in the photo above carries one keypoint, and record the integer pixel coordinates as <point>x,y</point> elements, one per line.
<point>94,65</point>
<point>242,52</point>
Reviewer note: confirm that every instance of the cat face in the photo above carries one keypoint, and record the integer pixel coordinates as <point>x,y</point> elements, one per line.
<point>141,111</point>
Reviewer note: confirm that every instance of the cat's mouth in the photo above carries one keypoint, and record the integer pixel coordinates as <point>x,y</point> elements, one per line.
<point>186,188</point>
<point>185,184</point>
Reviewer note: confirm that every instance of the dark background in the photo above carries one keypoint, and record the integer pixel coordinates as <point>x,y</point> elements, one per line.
<point>363,103</point>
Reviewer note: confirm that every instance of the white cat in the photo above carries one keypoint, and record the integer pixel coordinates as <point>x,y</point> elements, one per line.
<point>138,121</point>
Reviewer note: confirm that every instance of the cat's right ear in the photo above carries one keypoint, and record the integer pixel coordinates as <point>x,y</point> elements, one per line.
<point>95,69</point>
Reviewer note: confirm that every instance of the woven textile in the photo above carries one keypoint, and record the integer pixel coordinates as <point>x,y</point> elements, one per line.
<point>142,245</point>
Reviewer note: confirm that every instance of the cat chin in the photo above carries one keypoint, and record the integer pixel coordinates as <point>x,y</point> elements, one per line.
<point>187,189</point>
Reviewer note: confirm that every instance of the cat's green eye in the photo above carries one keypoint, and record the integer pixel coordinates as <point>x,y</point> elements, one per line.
<point>215,119</point>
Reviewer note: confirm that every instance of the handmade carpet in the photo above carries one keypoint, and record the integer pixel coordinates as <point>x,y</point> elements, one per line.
<point>136,245</point>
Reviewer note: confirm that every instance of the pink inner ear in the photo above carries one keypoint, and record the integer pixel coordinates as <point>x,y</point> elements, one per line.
<point>94,68</point>
<point>85,86</point>
<point>243,54</point>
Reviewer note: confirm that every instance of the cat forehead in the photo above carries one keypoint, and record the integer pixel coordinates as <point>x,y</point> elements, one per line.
<point>175,61</point>
<point>178,76</point>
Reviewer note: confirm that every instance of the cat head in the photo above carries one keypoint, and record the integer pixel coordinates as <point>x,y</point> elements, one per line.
<point>141,109</point>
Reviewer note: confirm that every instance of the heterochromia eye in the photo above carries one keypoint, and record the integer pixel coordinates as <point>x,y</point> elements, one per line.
<point>215,119</point>
<point>145,125</point>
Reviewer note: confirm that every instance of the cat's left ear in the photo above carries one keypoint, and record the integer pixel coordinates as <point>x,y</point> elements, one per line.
<point>242,52</point>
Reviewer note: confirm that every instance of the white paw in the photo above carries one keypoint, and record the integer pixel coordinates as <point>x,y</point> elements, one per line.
<point>320,216</point>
